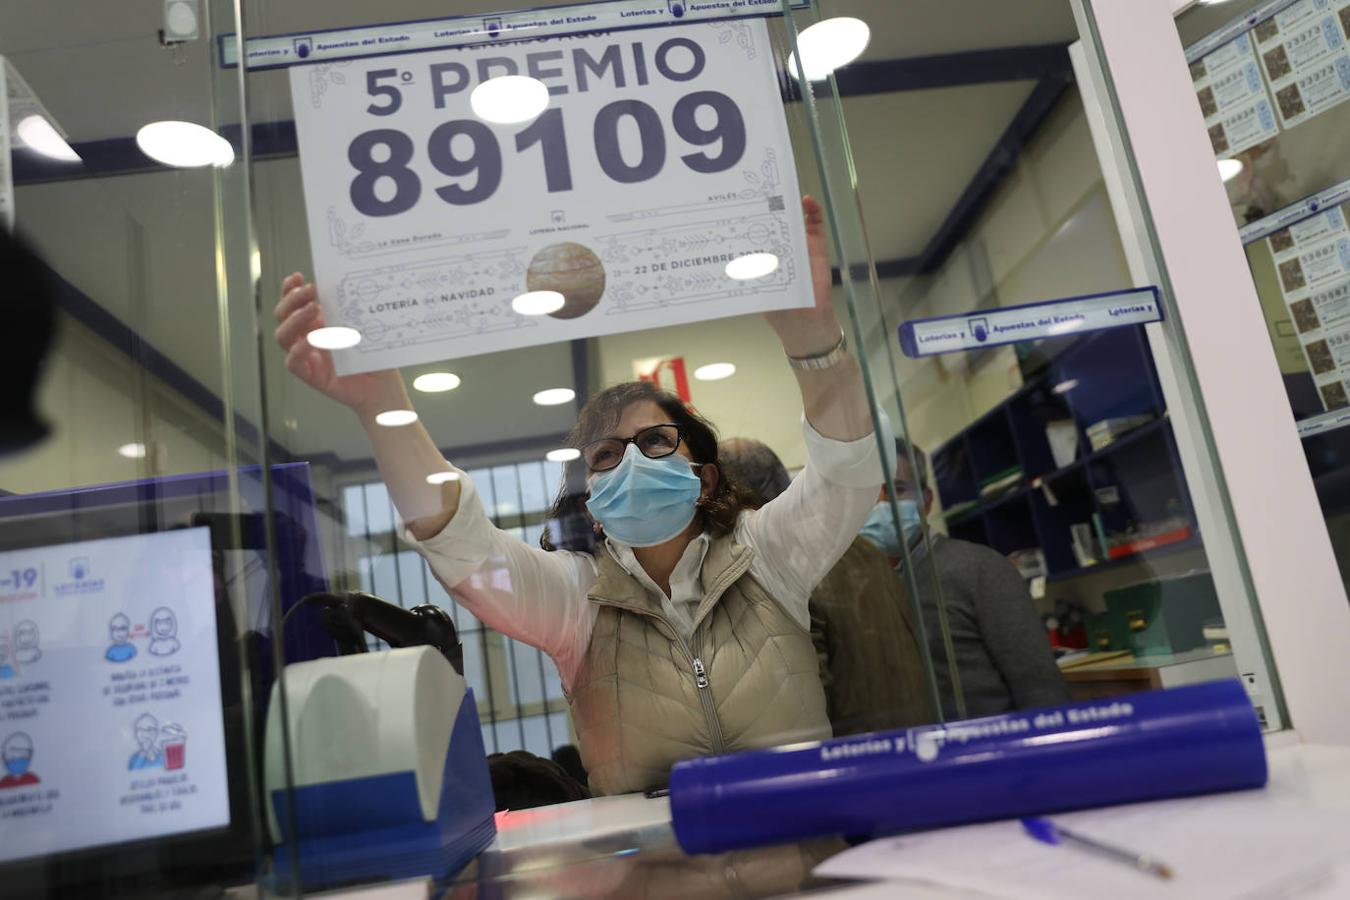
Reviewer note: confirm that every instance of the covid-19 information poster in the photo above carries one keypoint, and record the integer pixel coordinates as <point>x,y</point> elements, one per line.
<point>663,154</point>
<point>111,724</point>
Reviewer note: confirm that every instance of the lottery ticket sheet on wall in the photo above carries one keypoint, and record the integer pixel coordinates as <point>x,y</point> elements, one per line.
<point>1291,66</point>
<point>1312,262</point>
<point>663,155</point>
<point>111,724</point>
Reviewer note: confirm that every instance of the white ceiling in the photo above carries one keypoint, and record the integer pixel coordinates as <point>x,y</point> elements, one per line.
<point>143,245</point>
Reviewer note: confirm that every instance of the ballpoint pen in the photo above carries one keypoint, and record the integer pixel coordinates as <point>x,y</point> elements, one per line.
<point>1048,832</point>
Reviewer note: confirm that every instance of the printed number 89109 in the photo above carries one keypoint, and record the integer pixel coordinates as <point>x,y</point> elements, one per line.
<point>486,162</point>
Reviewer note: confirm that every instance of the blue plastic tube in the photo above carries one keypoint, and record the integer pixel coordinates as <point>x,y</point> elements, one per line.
<point>1191,740</point>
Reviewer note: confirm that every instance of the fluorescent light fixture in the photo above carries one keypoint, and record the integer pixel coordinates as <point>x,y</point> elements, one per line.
<point>1230,169</point>
<point>40,137</point>
<point>828,45</point>
<point>393,418</point>
<point>1064,386</point>
<point>334,337</point>
<point>752,266</point>
<point>562,454</point>
<point>132,451</point>
<point>436,382</point>
<point>184,144</point>
<point>538,303</point>
<point>715,371</point>
<point>554,396</point>
<point>509,99</point>
<point>442,477</point>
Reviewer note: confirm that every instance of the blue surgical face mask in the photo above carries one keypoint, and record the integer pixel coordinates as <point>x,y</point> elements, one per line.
<point>880,526</point>
<point>643,502</point>
<point>17,766</point>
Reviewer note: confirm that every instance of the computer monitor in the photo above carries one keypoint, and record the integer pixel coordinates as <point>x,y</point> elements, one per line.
<point>129,733</point>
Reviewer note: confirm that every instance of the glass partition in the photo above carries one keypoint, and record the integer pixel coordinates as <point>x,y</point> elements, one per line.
<point>134,610</point>
<point>600,347</point>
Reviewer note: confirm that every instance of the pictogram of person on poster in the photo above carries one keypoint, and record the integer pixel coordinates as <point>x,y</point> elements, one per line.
<point>119,633</point>
<point>17,753</point>
<point>163,632</point>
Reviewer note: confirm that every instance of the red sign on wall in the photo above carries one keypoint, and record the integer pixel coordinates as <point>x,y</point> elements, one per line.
<point>669,374</point>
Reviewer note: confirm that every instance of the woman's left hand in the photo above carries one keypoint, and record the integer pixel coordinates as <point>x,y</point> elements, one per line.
<point>813,330</point>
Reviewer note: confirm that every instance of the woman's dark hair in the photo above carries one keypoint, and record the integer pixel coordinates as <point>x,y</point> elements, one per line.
<point>571,522</point>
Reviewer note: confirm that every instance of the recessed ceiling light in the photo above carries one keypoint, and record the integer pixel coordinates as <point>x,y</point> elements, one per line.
<point>538,303</point>
<point>554,396</point>
<point>392,418</point>
<point>1064,386</point>
<point>334,337</point>
<point>715,371</point>
<point>752,266</point>
<point>829,45</point>
<point>1230,169</point>
<point>40,137</point>
<point>562,454</point>
<point>132,451</point>
<point>442,477</point>
<point>509,99</point>
<point>436,382</point>
<point>184,144</point>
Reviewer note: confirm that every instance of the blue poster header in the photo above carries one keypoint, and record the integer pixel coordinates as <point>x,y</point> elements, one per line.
<point>282,50</point>
<point>1011,324</point>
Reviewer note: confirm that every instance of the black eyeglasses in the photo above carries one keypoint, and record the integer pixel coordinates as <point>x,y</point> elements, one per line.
<point>655,442</point>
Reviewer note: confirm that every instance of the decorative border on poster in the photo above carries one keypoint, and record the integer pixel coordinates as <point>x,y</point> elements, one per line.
<point>1031,321</point>
<point>335,44</point>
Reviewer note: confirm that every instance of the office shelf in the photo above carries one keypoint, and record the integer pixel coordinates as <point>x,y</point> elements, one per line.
<point>1134,480</point>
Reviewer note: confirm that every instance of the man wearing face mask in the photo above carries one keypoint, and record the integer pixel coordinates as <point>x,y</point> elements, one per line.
<point>1001,651</point>
<point>686,631</point>
<point>862,620</point>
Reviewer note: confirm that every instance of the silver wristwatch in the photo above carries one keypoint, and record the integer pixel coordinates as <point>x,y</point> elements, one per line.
<point>826,360</point>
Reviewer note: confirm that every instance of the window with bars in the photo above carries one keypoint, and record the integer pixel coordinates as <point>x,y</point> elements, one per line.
<point>519,693</point>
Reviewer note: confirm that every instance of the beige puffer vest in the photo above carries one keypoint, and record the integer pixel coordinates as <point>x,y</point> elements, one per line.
<point>644,699</point>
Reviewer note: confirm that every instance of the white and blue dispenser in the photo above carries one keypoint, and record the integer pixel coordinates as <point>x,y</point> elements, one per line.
<point>388,774</point>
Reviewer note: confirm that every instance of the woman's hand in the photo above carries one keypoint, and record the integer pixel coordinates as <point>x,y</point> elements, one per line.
<point>812,330</point>
<point>299,313</point>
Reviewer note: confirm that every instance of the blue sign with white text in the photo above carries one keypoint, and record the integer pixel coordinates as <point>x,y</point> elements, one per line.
<point>1008,325</point>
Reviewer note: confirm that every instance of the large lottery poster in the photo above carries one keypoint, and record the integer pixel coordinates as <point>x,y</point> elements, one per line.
<point>1312,261</point>
<point>663,155</point>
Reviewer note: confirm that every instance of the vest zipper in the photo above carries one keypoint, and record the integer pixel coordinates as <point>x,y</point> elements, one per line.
<point>705,698</point>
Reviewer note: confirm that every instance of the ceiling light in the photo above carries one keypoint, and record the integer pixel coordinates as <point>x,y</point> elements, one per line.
<point>715,371</point>
<point>1064,386</point>
<point>132,451</point>
<point>184,144</point>
<point>562,454</point>
<point>538,303</point>
<point>392,418</point>
<point>554,396</point>
<point>829,45</point>
<point>436,382</point>
<point>509,99</point>
<point>442,477</point>
<point>40,137</point>
<point>334,337</point>
<point>752,266</point>
<point>1229,169</point>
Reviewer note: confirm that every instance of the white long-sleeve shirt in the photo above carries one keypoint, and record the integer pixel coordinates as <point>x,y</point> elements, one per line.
<point>539,597</point>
